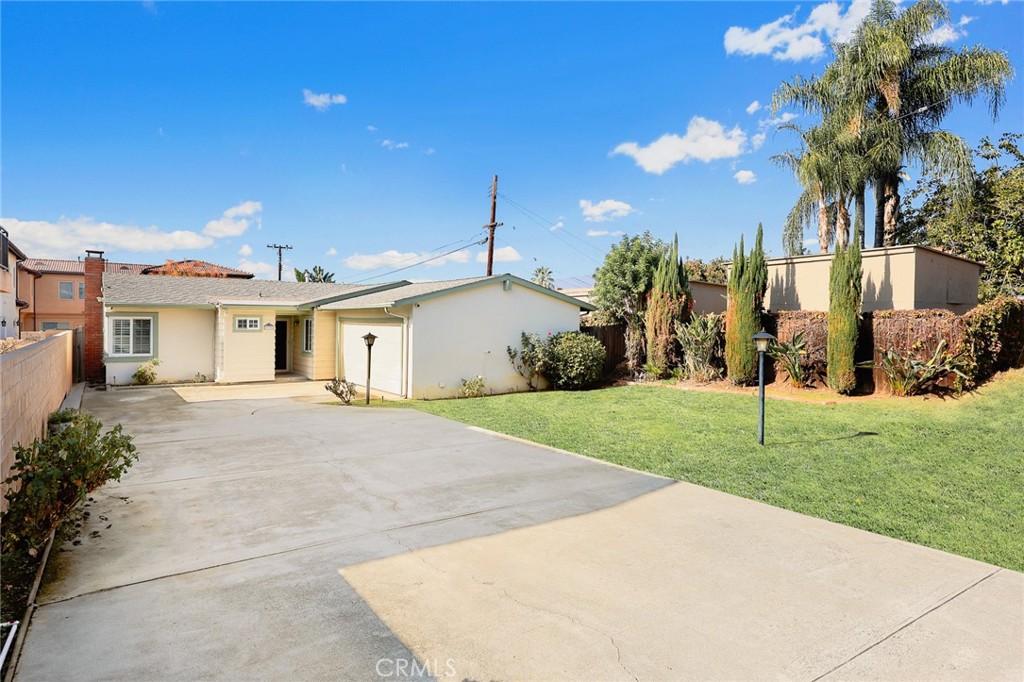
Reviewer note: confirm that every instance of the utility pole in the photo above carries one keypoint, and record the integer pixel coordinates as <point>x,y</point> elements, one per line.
<point>279,247</point>
<point>491,226</point>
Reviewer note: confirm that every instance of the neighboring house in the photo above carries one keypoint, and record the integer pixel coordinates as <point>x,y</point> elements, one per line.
<point>10,293</point>
<point>430,335</point>
<point>894,278</point>
<point>55,288</point>
<point>708,297</point>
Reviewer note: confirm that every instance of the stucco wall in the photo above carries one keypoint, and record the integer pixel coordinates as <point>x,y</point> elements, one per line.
<point>466,333</point>
<point>321,363</point>
<point>708,297</point>
<point>184,344</point>
<point>247,355</point>
<point>895,278</point>
<point>33,382</point>
<point>945,282</point>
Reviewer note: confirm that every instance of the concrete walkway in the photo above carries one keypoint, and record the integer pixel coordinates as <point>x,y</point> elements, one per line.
<point>282,539</point>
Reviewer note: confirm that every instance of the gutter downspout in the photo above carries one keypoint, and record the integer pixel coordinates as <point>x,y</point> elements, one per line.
<point>405,350</point>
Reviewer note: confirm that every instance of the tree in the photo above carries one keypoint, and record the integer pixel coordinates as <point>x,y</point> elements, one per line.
<point>621,286</point>
<point>892,86</point>
<point>668,303</point>
<point>715,271</point>
<point>988,227</point>
<point>542,277</point>
<point>748,280</point>
<point>317,274</point>
<point>844,306</point>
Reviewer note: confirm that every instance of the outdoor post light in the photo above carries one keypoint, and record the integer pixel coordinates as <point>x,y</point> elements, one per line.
<point>369,339</point>
<point>761,340</point>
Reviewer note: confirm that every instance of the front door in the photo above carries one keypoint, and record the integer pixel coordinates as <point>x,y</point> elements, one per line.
<point>281,346</point>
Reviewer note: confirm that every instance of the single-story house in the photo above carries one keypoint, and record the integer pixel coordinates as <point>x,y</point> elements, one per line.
<point>429,335</point>
<point>894,278</point>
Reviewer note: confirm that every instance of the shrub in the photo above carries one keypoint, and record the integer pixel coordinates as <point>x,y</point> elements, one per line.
<point>668,303</point>
<point>701,343</point>
<point>472,388</point>
<point>53,476</point>
<point>993,339</point>
<point>528,362</point>
<point>843,316</point>
<point>792,355</point>
<point>345,390</point>
<point>573,360</point>
<point>146,373</point>
<point>909,376</point>
<point>748,280</point>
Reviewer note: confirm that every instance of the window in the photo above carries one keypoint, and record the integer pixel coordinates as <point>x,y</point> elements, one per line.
<point>56,325</point>
<point>307,335</point>
<point>66,291</point>
<point>247,324</point>
<point>131,336</point>
<point>4,250</point>
<point>81,290</point>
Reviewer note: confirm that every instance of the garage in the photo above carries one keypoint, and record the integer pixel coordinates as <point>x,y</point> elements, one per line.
<point>386,372</point>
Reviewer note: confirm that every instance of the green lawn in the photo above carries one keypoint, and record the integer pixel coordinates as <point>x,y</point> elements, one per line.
<point>946,474</point>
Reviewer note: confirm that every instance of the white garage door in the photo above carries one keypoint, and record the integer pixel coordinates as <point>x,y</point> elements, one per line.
<point>386,372</point>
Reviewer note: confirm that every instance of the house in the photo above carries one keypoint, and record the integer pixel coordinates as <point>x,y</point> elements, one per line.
<point>894,278</point>
<point>55,288</point>
<point>429,335</point>
<point>10,293</point>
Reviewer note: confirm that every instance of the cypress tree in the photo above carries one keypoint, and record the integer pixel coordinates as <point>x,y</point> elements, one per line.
<point>844,288</point>
<point>669,302</point>
<point>748,280</point>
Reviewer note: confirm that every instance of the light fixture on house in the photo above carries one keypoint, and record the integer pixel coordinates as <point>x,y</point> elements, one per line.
<point>761,340</point>
<point>268,327</point>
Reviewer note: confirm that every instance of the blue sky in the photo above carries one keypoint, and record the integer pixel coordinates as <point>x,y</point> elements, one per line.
<point>366,135</point>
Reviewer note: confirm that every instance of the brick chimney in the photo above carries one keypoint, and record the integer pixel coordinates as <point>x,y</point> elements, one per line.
<point>94,266</point>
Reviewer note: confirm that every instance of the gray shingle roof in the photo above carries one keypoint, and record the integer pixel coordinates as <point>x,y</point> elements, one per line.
<point>390,297</point>
<point>121,289</point>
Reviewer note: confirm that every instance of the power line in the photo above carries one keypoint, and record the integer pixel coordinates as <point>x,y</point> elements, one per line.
<point>425,260</point>
<point>544,222</point>
<point>414,256</point>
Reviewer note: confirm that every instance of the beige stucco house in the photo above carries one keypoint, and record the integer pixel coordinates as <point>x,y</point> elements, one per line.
<point>430,335</point>
<point>894,278</point>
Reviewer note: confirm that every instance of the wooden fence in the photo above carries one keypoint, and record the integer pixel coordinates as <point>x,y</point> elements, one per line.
<point>613,338</point>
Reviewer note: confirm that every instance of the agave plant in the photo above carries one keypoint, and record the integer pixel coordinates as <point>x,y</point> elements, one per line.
<point>701,343</point>
<point>792,356</point>
<point>909,376</point>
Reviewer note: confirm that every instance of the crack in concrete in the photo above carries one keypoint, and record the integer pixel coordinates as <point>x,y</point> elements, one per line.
<point>905,625</point>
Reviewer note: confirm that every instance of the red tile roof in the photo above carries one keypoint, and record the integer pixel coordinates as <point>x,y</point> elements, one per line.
<point>201,267</point>
<point>46,266</point>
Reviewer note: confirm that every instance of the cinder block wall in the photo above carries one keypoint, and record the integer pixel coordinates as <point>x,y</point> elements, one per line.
<point>33,382</point>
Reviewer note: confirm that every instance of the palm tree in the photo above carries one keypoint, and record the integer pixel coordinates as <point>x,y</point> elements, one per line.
<point>892,85</point>
<point>542,277</point>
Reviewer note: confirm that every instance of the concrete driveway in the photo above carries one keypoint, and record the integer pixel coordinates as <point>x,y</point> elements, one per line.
<point>283,539</point>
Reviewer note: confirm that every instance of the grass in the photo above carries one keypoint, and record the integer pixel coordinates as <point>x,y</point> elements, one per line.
<point>948,474</point>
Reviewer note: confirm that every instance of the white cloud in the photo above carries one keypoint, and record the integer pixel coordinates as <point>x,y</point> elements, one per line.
<point>758,140</point>
<point>265,270</point>
<point>236,220</point>
<point>331,252</point>
<point>393,258</point>
<point>504,254</point>
<point>245,251</point>
<point>753,106</point>
<point>372,129</point>
<point>705,140</point>
<point>557,226</point>
<point>745,177</point>
<point>786,41</point>
<point>786,117</point>
<point>322,101</point>
<point>948,33</point>
<point>391,144</point>
<point>605,233</point>
<point>608,209</point>
<point>429,151</point>
<point>70,237</point>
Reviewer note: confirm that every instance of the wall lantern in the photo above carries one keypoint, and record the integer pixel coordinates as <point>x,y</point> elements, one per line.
<point>268,327</point>
<point>761,340</point>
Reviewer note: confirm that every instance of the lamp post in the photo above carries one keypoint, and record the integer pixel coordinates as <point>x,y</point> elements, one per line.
<point>761,340</point>
<point>369,338</point>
